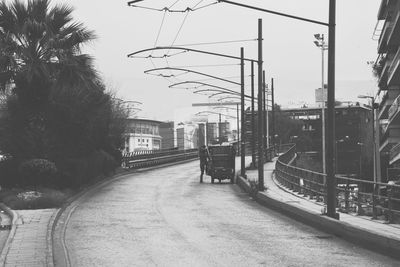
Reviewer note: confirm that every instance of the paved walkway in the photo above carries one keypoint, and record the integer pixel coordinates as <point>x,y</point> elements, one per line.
<point>29,244</point>
<point>281,194</point>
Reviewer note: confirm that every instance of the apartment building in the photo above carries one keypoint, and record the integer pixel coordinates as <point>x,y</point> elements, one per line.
<point>387,69</point>
<point>142,134</point>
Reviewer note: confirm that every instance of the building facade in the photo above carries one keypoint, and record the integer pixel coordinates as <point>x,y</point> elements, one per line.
<point>387,70</point>
<point>142,134</point>
<point>167,133</point>
<point>187,135</point>
<point>354,131</point>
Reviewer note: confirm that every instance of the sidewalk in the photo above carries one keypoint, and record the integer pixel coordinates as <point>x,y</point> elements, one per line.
<point>27,244</point>
<point>357,229</point>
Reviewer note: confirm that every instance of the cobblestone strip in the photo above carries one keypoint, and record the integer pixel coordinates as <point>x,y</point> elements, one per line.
<point>29,245</point>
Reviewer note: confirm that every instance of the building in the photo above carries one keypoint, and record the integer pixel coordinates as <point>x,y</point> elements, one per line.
<point>142,134</point>
<point>353,126</point>
<point>387,70</point>
<point>303,126</point>
<point>167,133</point>
<point>187,135</point>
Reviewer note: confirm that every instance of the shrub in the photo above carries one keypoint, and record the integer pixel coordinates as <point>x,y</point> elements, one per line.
<point>8,173</point>
<point>37,171</point>
<point>75,172</point>
<point>19,198</point>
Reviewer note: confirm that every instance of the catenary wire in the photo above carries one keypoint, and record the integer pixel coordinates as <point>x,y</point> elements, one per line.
<point>219,42</point>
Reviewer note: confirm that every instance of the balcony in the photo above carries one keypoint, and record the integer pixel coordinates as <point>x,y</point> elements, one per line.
<point>386,103</point>
<point>394,154</point>
<point>383,39</point>
<point>394,70</point>
<point>390,139</point>
<point>394,109</point>
<point>383,80</point>
<point>394,35</point>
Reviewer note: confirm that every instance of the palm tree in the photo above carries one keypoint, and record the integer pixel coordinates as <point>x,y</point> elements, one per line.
<point>41,46</point>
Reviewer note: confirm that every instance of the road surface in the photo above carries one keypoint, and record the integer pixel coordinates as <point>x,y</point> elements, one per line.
<point>165,217</point>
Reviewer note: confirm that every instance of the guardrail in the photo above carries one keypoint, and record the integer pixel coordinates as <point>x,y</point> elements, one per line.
<point>353,196</point>
<point>142,159</point>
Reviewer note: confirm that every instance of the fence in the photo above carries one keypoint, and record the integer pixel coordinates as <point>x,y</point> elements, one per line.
<point>355,196</point>
<point>148,158</point>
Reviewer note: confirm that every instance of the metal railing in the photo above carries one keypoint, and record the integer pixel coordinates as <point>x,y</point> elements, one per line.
<point>142,159</point>
<point>353,196</point>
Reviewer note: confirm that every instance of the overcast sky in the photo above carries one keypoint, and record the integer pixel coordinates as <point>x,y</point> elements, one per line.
<point>290,55</point>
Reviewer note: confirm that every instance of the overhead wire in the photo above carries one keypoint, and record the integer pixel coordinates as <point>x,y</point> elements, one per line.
<point>207,66</point>
<point>198,3</point>
<point>166,55</point>
<point>207,5</point>
<point>219,42</point>
<point>171,6</point>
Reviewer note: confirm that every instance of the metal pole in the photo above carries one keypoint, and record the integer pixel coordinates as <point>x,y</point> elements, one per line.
<point>330,148</point>
<point>273,110</point>
<point>323,110</point>
<point>253,123</point>
<point>259,111</point>
<point>374,210</point>
<point>237,121</point>
<point>267,119</point>
<point>242,154</point>
<point>206,132</point>
<point>264,109</point>
<point>220,129</point>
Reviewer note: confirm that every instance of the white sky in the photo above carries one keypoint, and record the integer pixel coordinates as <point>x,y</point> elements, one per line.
<point>289,53</point>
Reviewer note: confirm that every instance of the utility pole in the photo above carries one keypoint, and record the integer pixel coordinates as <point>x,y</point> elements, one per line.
<point>273,111</point>
<point>321,44</point>
<point>330,149</point>
<point>264,111</point>
<point>219,129</point>
<point>243,139</point>
<point>267,119</point>
<point>237,121</point>
<point>253,122</point>
<point>260,115</point>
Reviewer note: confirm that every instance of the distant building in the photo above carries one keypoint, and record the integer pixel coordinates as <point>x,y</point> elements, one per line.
<point>167,133</point>
<point>187,136</point>
<point>353,125</point>
<point>212,132</point>
<point>142,134</point>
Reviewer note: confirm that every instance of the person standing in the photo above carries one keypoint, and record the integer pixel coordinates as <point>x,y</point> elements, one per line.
<point>203,155</point>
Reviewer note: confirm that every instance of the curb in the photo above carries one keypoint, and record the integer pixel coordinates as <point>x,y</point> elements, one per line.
<point>367,239</point>
<point>14,217</point>
<point>54,221</point>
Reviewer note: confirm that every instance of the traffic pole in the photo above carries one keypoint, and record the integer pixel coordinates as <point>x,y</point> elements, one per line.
<point>330,149</point>
<point>243,134</point>
<point>260,163</point>
<point>253,122</point>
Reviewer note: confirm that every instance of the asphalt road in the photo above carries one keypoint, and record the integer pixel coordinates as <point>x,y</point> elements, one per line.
<point>165,217</point>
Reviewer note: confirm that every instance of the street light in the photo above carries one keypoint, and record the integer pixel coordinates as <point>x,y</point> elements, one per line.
<point>320,43</point>
<point>375,152</point>
<point>360,170</point>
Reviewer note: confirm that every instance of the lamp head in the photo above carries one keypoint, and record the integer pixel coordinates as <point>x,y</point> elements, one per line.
<point>318,36</point>
<point>317,43</point>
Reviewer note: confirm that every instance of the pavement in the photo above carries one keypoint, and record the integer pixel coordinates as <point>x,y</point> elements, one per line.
<point>28,240</point>
<point>27,244</point>
<point>362,230</point>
